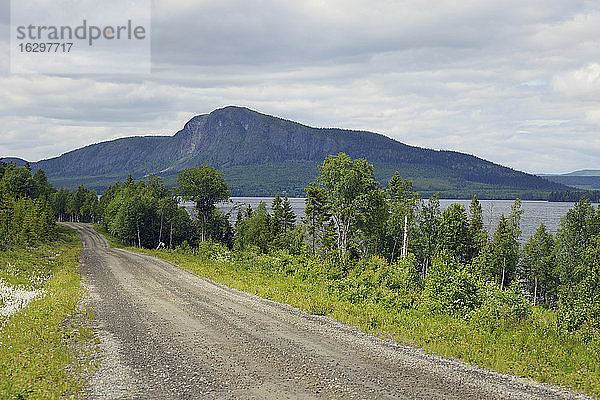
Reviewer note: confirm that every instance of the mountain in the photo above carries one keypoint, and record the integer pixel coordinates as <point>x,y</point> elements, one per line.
<point>262,155</point>
<point>588,179</point>
<point>584,172</point>
<point>19,162</point>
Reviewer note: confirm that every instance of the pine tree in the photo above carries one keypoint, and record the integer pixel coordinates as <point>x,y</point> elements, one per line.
<point>288,217</point>
<point>478,236</point>
<point>317,215</point>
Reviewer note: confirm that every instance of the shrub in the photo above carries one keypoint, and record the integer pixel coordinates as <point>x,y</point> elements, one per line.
<point>375,280</point>
<point>501,308</point>
<point>450,287</point>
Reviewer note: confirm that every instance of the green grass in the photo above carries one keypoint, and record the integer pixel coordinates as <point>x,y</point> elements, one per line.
<point>534,348</point>
<point>40,355</point>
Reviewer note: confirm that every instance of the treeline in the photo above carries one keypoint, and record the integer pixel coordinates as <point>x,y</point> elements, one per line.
<point>79,206</point>
<point>26,214</point>
<point>30,206</point>
<point>575,195</point>
<point>146,214</point>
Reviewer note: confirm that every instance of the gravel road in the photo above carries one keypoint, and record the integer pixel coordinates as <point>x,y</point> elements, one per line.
<point>168,334</point>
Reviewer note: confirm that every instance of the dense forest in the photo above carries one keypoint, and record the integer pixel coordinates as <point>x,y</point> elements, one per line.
<point>388,243</point>
<point>26,214</point>
<point>575,195</point>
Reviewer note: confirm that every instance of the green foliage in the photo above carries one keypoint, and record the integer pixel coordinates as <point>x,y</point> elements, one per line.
<point>580,304</point>
<point>578,257</point>
<point>538,267</point>
<point>454,235</point>
<point>317,219</point>
<point>450,287</point>
<point>26,216</point>
<point>348,187</point>
<point>374,280</point>
<point>259,229</point>
<point>478,235</point>
<point>501,309</point>
<point>577,229</point>
<point>146,214</point>
<point>501,257</point>
<point>403,206</point>
<point>205,186</point>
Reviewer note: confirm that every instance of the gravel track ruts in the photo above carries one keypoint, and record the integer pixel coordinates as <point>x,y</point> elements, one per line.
<point>166,333</point>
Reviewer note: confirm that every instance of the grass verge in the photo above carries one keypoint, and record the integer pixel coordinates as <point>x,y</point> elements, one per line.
<point>534,348</point>
<point>41,356</point>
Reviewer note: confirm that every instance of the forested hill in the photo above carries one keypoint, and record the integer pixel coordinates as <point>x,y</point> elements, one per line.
<point>264,155</point>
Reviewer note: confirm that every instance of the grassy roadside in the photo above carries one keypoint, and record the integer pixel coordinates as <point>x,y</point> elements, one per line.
<point>40,345</point>
<point>534,348</point>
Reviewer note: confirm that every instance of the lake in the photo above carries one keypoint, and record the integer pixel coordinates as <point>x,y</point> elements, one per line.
<point>534,212</point>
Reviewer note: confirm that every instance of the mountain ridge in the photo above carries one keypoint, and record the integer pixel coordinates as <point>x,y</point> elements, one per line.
<point>286,154</point>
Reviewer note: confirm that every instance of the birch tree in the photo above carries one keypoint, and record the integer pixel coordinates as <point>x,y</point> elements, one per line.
<point>346,184</point>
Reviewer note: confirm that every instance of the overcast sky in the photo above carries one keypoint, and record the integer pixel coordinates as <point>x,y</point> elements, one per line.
<point>514,82</point>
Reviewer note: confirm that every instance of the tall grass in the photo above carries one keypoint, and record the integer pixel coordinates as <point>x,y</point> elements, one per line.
<point>41,352</point>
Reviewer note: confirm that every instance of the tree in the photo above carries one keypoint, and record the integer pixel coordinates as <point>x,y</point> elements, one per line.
<point>18,182</point>
<point>538,266</point>
<point>578,258</point>
<point>317,214</point>
<point>579,303</point>
<point>205,186</point>
<point>454,232</point>
<point>59,203</point>
<point>42,187</point>
<point>429,218</point>
<point>450,287</point>
<point>403,204</point>
<point>255,229</point>
<point>278,213</point>
<point>288,217</point>
<point>478,235</point>
<point>145,213</point>
<point>346,183</point>
<point>502,253</point>
<point>373,212</point>
<point>577,229</point>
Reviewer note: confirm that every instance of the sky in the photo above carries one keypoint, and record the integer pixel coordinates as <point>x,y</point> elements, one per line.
<point>514,82</point>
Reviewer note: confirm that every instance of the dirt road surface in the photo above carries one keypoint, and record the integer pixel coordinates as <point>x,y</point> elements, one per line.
<point>166,333</point>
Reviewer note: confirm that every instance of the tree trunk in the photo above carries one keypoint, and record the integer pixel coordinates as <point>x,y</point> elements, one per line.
<point>405,240</point>
<point>203,227</point>
<point>171,237</point>
<point>161,227</point>
<point>137,224</point>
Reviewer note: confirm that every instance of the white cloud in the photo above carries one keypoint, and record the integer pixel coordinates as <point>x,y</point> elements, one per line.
<point>583,82</point>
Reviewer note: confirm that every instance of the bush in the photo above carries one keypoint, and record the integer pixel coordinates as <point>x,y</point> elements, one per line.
<point>450,287</point>
<point>501,308</point>
<point>375,280</point>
